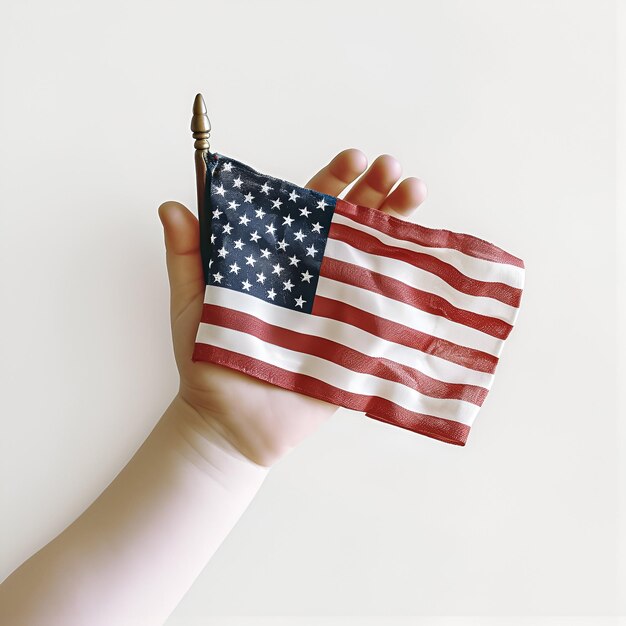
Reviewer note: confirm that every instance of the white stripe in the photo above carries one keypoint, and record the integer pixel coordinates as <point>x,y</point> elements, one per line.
<point>480,269</point>
<point>420,279</point>
<point>408,315</point>
<point>336,375</point>
<point>348,335</point>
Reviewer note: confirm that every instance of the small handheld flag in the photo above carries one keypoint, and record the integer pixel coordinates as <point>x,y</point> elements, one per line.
<point>349,304</point>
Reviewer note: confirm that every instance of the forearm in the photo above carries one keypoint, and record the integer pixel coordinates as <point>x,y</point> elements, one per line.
<point>133,554</point>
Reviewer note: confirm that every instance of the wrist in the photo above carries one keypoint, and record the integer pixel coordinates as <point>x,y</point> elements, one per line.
<point>203,440</point>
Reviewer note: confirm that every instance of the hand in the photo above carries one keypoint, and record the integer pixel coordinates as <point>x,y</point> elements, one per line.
<point>261,420</point>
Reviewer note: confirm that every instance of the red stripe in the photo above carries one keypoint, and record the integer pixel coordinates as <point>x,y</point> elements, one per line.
<point>341,355</point>
<point>431,237</point>
<point>398,333</point>
<point>472,286</point>
<point>358,276</point>
<point>373,406</point>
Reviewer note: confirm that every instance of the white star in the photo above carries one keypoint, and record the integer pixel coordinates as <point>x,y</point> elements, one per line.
<point>317,227</point>
<point>246,285</point>
<point>260,278</point>
<point>210,262</point>
<point>276,203</point>
<point>260,213</point>
<point>216,213</point>
<point>321,204</point>
<point>234,268</point>
<point>248,197</point>
<point>310,251</point>
<point>238,244</point>
<point>228,167</point>
<point>266,189</point>
<point>250,260</point>
<point>227,228</point>
<point>300,301</point>
<point>212,238</point>
<point>293,195</point>
<point>287,220</point>
<point>299,236</point>
<point>220,190</point>
<point>282,245</point>
<point>233,205</point>
<point>288,285</point>
<point>265,254</point>
<point>237,182</point>
<point>222,252</point>
<point>306,277</point>
<point>294,260</point>
<point>277,269</point>
<point>244,219</point>
<point>304,211</point>
<point>270,229</point>
<point>271,294</point>
<point>217,277</point>
<point>255,236</point>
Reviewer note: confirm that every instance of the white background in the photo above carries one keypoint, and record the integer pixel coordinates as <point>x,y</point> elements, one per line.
<point>506,109</point>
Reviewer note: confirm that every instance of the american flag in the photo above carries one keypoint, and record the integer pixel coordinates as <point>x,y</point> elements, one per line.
<point>349,304</point>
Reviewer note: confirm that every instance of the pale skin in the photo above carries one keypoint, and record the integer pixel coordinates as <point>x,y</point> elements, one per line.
<point>130,557</point>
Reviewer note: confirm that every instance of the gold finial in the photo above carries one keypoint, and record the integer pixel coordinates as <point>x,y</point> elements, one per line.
<point>200,124</point>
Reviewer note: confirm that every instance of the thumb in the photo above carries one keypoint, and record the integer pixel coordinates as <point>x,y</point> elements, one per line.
<point>183,259</point>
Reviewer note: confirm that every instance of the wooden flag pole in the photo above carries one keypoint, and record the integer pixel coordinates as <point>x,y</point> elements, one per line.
<point>201,129</point>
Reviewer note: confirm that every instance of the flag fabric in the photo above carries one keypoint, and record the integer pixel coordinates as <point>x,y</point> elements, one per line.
<point>351,305</point>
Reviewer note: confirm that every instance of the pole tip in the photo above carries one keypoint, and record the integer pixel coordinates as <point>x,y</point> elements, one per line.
<point>200,124</point>
<point>199,107</point>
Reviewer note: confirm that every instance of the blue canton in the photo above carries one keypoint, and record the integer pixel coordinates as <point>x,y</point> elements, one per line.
<point>267,235</point>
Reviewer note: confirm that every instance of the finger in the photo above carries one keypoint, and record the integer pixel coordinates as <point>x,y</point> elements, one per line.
<point>346,167</point>
<point>406,197</point>
<point>372,188</point>
<point>184,262</point>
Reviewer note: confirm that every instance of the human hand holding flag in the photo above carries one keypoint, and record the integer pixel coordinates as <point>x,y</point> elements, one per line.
<point>137,549</point>
<point>262,420</point>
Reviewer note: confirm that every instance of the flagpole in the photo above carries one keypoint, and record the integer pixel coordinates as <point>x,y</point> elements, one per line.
<point>201,129</point>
